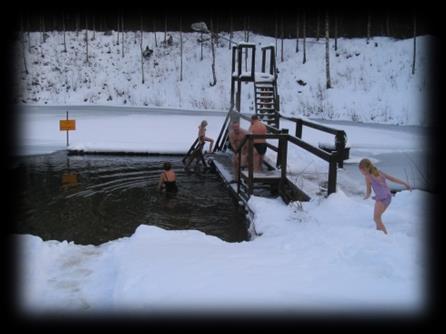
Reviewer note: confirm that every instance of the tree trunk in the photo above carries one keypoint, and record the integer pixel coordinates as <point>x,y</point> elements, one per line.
<point>141,48</point>
<point>247,28</point>
<point>117,30</point>
<point>414,43</point>
<point>230,32</point>
<point>297,33</point>
<point>276,32</point>
<point>213,57</point>
<point>154,31</point>
<point>43,29</point>
<point>304,59</point>
<point>387,24</point>
<point>77,24</point>
<point>122,35</point>
<point>29,35</point>
<point>327,50</point>
<point>181,51</point>
<point>336,32</point>
<point>22,34</point>
<point>64,33</point>
<point>281,39</point>
<point>369,25</point>
<point>86,37</point>
<point>201,46</point>
<point>317,27</point>
<point>165,31</point>
<point>94,30</point>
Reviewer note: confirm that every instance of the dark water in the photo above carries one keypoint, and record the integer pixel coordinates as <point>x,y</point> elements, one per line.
<point>95,199</point>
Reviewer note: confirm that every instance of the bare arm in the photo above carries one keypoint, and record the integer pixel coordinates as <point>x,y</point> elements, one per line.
<point>160,184</point>
<point>368,188</point>
<point>396,180</point>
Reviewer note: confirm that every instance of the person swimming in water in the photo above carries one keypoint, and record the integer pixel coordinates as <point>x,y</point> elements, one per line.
<point>168,179</point>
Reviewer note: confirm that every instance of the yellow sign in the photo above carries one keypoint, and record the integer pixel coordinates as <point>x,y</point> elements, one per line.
<point>69,179</point>
<point>67,124</point>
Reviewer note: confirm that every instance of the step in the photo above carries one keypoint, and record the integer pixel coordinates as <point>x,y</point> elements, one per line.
<point>264,176</point>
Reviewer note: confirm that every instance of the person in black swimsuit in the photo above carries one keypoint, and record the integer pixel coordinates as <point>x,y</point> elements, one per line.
<point>168,179</point>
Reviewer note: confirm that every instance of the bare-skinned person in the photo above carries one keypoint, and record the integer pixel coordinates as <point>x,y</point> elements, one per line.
<point>168,179</point>
<point>236,136</point>
<point>202,135</point>
<point>258,128</point>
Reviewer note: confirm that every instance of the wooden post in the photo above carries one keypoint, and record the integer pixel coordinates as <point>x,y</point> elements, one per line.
<point>340,147</point>
<point>238,170</point>
<point>299,125</point>
<point>250,165</point>
<point>239,83</point>
<point>68,138</point>
<point>283,147</point>
<point>332,174</point>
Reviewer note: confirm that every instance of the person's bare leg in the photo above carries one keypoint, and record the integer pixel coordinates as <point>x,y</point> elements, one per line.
<point>236,166</point>
<point>380,207</point>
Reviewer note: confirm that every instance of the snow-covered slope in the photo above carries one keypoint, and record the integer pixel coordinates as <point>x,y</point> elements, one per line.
<point>371,82</point>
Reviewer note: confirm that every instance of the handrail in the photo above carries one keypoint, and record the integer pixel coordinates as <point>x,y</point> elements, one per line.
<point>340,135</point>
<point>284,138</point>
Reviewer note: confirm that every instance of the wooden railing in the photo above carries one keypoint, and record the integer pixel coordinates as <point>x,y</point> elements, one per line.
<point>340,135</point>
<point>282,156</point>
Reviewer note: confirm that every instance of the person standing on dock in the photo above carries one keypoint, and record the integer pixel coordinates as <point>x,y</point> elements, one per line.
<point>236,136</point>
<point>258,128</point>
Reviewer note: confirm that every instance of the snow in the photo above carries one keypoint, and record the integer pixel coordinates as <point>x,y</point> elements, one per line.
<point>322,255</point>
<point>370,83</point>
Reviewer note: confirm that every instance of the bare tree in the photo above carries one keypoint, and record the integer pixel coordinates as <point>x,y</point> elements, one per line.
<point>94,30</point>
<point>317,26</point>
<point>213,56</point>
<point>304,27</point>
<point>165,31</point>
<point>141,48</point>
<point>154,31</point>
<point>29,35</point>
<point>42,29</point>
<point>369,24</point>
<point>281,38</point>
<point>201,46</point>
<point>122,36</point>
<point>86,37</point>
<point>327,50</point>
<point>63,28</point>
<point>230,31</point>
<point>247,28</point>
<point>336,32</point>
<point>414,42</point>
<point>276,32</point>
<point>181,51</point>
<point>297,33</point>
<point>118,29</point>
<point>22,38</point>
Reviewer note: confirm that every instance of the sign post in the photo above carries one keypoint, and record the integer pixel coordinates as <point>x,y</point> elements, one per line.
<point>67,125</point>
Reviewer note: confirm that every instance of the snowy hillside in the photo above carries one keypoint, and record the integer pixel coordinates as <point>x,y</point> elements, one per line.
<point>371,82</point>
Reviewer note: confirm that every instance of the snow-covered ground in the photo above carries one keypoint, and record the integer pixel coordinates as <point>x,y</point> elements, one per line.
<point>317,256</point>
<point>371,82</point>
<point>322,256</point>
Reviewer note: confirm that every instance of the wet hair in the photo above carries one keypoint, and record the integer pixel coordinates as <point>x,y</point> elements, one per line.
<point>167,166</point>
<point>370,168</point>
<point>254,117</point>
<point>204,123</point>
